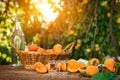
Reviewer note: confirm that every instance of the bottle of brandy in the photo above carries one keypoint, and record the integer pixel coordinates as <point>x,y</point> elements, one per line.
<point>18,41</point>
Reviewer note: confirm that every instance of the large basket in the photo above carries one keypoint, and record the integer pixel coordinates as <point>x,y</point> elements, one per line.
<point>28,58</point>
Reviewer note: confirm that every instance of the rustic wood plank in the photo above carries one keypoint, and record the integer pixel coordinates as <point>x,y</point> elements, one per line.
<point>19,73</point>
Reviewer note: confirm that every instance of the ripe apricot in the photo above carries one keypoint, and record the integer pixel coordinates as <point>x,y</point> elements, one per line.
<point>109,61</point>
<point>63,67</point>
<point>91,70</point>
<point>57,48</point>
<point>94,61</point>
<point>73,65</point>
<point>88,50</point>
<point>110,64</point>
<point>118,20</point>
<point>36,64</point>
<point>41,50</point>
<point>33,47</point>
<point>108,14</point>
<point>81,64</point>
<point>82,69</point>
<point>58,66</point>
<point>39,67</point>
<point>110,67</point>
<point>49,51</point>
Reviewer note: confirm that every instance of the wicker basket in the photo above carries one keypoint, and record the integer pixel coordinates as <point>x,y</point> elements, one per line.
<point>28,58</point>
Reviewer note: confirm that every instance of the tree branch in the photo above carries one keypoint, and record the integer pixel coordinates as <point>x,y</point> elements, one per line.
<point>92,18</point>
<point>114,41</point>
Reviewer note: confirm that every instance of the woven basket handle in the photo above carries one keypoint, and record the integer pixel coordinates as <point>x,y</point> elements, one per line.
<point>69,46</point>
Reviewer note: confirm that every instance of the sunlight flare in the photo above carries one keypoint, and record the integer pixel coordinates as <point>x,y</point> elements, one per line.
<point>47,10</point>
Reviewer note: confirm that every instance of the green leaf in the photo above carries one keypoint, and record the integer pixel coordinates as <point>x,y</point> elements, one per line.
<point>86,40</point>
<point>90,34</point>
<point>98,76</point>
<point>103,76</point>
<point>117,78</point>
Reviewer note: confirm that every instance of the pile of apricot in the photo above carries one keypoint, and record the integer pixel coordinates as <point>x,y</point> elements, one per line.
<point>57,49</point>
<point>73,66</point>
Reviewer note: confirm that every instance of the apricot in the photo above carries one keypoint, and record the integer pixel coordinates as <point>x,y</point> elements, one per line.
<point>81,64</point>
<point>88,50</point>
<point>94,61</point>
<point>82,69</point>
<point>49,51</point>
<point>73,65</point>
<point>109,61</point>
<point>63,67</point>
<point>57,48</point>
<point>41,50</point>
<point>110,64</point>
<point>91,70</point>
<point>110,67</point>
<point>39,67</point>
<point>33,47</point>
<point>36,64</point>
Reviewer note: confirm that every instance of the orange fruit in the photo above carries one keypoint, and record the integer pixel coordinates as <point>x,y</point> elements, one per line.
<point>36,64</point>
<point>63,67</point>
<point>108,14</point>
<point>49,51</point>
<point>41,50</point>
<point>109,61</point>
<point>110,64</point>
<point>41,68</point>
<point>82,69</point>
<point>73,65</point>
<point>110,67</point>
<point>33,47</point>
<point>91,70</point>
<point>88,50</point>
<point>118,20</point>
<point>81,64</point>
<point>94,61</point>
<point>57,48</point>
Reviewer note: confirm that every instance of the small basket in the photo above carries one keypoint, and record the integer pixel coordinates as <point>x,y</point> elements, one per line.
<point>28,58</point>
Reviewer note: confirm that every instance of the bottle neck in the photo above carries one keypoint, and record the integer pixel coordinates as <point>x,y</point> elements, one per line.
<point>18,27</point>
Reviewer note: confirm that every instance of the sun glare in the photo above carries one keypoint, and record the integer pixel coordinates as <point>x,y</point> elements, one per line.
<point>45,8</point>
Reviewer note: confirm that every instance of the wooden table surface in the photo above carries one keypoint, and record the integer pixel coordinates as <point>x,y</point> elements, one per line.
<point>8,72</point>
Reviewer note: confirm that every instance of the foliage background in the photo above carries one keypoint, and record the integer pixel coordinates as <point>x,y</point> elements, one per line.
<point>93,25</point>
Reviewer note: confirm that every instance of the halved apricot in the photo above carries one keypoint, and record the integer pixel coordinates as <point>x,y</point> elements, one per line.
<point>94,61</point>
<point>110,64</point>
<point>91,70</point>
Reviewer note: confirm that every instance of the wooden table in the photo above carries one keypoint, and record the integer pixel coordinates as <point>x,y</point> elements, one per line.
<point>8,72</point>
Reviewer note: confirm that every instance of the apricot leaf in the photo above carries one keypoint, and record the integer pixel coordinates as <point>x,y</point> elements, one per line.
<point>103,76</point>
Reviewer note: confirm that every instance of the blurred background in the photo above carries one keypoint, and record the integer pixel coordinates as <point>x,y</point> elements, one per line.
<point>93,25</point>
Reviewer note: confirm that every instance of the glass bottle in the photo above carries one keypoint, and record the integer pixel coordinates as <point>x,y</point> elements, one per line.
<point>18,41</point>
